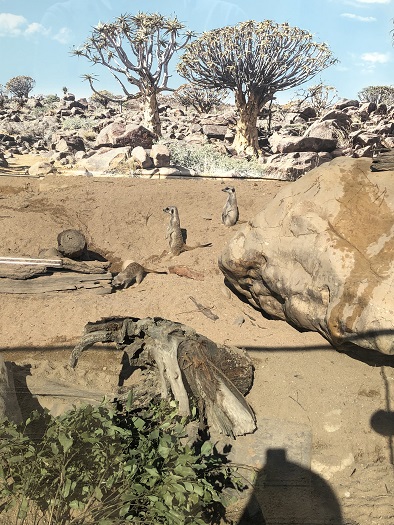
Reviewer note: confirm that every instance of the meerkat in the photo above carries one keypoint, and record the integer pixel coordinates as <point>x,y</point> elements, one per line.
<point>174,234</point>
<point>132,272</point>
<point>230,213</point>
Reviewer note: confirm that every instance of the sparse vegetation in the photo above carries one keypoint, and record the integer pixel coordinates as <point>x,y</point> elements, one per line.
<point>254,60</point>
<point>92,465</point>
<point>206,159</point>
<point>77,122</point>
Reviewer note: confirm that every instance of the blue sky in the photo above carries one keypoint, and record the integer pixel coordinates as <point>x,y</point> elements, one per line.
<point>36,36</point>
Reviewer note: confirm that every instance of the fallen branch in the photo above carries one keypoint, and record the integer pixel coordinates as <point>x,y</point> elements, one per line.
<point>204,310</point>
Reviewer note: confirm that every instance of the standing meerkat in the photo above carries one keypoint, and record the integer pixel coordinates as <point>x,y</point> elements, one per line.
<point>132,272</point>
<point>230,213</point>
<point>174,233</point>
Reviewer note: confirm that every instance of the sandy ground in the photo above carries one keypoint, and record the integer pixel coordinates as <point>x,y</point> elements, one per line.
<point>326,409</point>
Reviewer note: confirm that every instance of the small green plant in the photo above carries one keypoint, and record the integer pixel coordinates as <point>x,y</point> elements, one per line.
<point>91,465</point>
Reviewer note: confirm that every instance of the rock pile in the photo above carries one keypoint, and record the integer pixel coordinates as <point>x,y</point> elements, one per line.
<point>106,141</point>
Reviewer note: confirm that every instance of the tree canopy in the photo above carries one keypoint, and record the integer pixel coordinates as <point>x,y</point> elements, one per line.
<point>255,60</point>
<point>254,57</point>
<point>20,86</point>
<point>136,49</point>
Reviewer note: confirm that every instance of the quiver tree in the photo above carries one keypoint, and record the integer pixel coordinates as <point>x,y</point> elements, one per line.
<point>137,51</point>
<point>319,97</point>
<point>20,86</point>
<point>202,99</point>
<point>377,94</point>
<point>255,60</point>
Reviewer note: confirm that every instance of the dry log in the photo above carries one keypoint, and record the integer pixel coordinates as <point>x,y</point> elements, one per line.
<point>190,367</point>
<point>85,266</point>
<point>26,271</point>
<point>21,272</point>
<point>60,281</point>
<point>71,243</point>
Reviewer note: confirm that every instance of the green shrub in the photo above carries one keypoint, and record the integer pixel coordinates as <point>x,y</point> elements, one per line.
<point>92,466</point>
<point>206,159</point>
<point>77,122</point>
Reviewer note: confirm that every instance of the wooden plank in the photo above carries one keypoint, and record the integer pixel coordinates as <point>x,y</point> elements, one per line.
<point>32,261</point>
<point>56,282</point>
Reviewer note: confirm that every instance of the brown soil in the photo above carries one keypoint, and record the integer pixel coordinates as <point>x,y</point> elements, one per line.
<point>301,382</point>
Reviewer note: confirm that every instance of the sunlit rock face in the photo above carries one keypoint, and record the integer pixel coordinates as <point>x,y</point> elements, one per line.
<point>320,255</point>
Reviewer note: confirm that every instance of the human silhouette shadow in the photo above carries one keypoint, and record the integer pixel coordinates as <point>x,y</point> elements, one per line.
<point>287,493</point>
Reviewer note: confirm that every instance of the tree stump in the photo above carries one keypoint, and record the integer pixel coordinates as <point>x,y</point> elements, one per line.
<point>71,243</point>
<point>189,367</point>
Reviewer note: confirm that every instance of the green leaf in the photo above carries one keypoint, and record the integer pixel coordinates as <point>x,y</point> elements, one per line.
<point>66,488</point>
<point>65,441</point>
<point>98,494</point>
<point>206,448</point>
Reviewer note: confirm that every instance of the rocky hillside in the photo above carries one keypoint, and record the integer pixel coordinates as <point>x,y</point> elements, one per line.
<point>81,136</point>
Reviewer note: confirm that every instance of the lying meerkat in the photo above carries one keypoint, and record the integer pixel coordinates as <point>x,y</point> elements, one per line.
<point>132,272</point>
<point>174,234</point>
<point>230,213</point>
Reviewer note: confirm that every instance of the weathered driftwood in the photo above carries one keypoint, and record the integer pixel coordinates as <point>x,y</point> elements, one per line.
<point>59,281</point>
<point>190,366</point>
<point>26,271</point>
<point>21,272</point>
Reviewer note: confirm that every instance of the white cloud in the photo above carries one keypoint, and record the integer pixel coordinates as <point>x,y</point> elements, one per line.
<point>17,26</point>
<point>375,57</point>
<point>35,28</point>
<point>63,36</point>
<point>358,17</point>
<point>373,1</point>
<point>11,25</point>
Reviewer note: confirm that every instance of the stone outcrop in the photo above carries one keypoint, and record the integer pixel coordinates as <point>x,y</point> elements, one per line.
<point>291,166</point>
<point>320,255</point>
<point>106,159</point>
<point>41,168</point>
<point>120,134</point>
<point>289,144</point>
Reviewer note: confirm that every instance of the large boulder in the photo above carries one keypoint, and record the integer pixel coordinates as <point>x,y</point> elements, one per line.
<point>106,159</point>
<point>320,255</point>
<point>120,134</point>
<point>289,144</point>
<point>291,166</point>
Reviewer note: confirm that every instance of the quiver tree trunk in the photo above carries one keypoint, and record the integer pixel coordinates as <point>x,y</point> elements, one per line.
<point>189,368</point>
<point>246,134</point>
<point>151,112</point>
